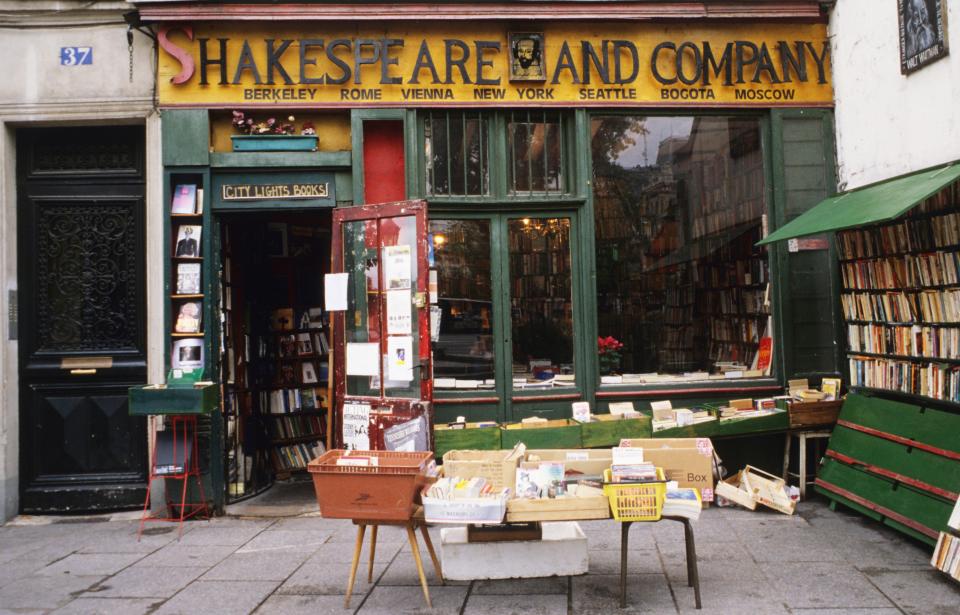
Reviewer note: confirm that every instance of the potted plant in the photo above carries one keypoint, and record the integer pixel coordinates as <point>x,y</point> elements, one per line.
<point>608,352</point>
<point>271,135</point>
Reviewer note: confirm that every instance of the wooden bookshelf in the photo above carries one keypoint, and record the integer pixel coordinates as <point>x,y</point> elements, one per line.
<point>901,300</point>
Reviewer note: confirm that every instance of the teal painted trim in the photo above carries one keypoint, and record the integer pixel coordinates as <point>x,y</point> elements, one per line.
<point>412,160</point>
<point>312,160</point>
<point>588,263</point>
<point>774,262</point>
<point>274,143</point>
<point>502,356</point>
<point>497,166</point>
<point>185,137</point>
<point>343,184</point>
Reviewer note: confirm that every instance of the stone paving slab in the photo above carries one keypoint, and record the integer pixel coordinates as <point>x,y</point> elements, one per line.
<point>410,601</point>
<point>41,592</point>
<point>108,606</point>
<point>480,604</point>
<point>147,582</point>
<point>280,604</point>
<point>177,554</point>
<point>257,566</point>
<point>100,564</point>
<point>218,597</point>
<point>824,585</point>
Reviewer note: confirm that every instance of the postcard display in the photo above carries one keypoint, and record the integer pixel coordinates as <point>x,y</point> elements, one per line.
<point>186,311</point>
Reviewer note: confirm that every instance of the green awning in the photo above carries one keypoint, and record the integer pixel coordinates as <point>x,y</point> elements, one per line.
<point>876,203</point>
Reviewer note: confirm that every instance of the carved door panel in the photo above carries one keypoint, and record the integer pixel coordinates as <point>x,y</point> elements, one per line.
<point>81,279</point>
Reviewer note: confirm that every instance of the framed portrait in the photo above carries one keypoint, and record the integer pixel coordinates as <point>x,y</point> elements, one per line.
<point>188,240</point>
<point>923,32</point>
<point>527,56</point>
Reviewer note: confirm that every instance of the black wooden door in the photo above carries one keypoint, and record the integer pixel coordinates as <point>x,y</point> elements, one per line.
<point>81,279</point>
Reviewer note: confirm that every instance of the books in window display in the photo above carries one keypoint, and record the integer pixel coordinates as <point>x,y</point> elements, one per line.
<point>935,342</point>
<point>286,427</point>
<point>282,401</point>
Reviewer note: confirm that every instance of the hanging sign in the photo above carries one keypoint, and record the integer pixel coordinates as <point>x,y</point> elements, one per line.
<point>273,190</point>
<point>453,64</point>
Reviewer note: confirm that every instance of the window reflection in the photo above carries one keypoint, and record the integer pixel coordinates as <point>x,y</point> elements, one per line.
<point>541,302</point>
<point>463,352</point>
<point>679,204</point>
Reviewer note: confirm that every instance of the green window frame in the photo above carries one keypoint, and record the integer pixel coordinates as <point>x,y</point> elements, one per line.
<point>498,152</point>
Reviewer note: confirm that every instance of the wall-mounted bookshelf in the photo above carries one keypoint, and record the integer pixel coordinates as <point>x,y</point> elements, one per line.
<point>901,300</point>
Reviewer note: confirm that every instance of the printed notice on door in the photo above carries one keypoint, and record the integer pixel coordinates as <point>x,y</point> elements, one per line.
<point>399,319</point>
<point>356,427</point>
<point>397,266</point>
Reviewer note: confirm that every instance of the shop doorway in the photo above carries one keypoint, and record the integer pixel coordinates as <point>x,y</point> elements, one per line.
<point>82,341</point>
<point>507,333</point>
<point>274,345</point>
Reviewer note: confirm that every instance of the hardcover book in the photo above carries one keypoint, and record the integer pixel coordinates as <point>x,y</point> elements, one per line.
<point>184,199</point>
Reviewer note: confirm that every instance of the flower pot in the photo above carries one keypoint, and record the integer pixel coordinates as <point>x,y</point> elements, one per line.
<point>274,143</point>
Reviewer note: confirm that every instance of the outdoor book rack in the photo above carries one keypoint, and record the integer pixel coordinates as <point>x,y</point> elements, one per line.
<point>178,460</point>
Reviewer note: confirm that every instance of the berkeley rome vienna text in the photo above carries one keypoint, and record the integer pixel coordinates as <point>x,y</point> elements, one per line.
<point>317,61</point>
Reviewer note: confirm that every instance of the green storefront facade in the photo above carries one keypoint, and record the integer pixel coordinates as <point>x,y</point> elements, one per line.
<point>553,222</point>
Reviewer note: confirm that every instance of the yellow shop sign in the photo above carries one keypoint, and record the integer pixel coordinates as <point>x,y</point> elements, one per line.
<point>456,65</point>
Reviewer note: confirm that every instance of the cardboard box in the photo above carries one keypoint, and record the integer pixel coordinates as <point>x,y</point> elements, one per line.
<point>498,467</point>
<point>689,461</point>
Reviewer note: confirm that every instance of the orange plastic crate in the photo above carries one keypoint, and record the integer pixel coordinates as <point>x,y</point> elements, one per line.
<point>383,492</point>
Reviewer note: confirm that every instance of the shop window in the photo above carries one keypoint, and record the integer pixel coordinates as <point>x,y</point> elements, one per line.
<point>463,351</point>
<point>679,204</point>
<point>456,153</point>
<point>535,152</point>
<point>541,302</point>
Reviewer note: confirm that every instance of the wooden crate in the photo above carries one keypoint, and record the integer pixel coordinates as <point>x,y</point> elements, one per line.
<point>498,467</point>
<point>470,437</point>
<point>814,413</point>
<point>557,433</point>
<point>559,509</point>
<point>608,429</point>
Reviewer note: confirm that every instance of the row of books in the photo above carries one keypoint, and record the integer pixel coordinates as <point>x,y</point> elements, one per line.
<point>732,301</point>
<point>907,271</point>
<point>303,344</point>
<point>911,235</point>
<point>747,329</point>
<point>282,401</point>
<point>716,221</point>
<point>926,306</point>
<point>947,198</point>
<point>921,341</point>
<point>936,380</point>
<point>743,272</point>
<point>296,456</point>
<point>296,427</point>
<point>946,555</point>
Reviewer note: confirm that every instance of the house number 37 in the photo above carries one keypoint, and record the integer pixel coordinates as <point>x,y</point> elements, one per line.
<point>75,56</point>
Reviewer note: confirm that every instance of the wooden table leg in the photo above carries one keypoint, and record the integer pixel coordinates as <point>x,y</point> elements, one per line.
<point>412,537</point>
<point>624,547</point>
<point>786,457</point>
<point>433,554</point>
<point>693,575</point>
<point>361,529</point>
<point>373,550</point>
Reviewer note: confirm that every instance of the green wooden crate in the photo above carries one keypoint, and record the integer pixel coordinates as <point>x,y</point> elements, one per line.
<point>608,429</point>
<point>164,399</point>
<point>471,438</point>
<point>779,421</point>
<point>558,433</point>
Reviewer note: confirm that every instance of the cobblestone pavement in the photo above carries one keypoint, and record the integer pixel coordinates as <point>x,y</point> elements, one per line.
<point>750,562</point>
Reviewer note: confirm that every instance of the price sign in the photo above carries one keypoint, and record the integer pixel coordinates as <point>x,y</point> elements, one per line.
<point>76,56</point>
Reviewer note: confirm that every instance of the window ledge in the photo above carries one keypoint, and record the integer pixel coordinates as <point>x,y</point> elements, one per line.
<point>614,391</point>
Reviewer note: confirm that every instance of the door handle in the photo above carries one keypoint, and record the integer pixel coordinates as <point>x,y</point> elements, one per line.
<point>82,371</point>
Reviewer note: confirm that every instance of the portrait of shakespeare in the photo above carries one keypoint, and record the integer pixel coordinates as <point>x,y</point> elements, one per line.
<point>526,56</point>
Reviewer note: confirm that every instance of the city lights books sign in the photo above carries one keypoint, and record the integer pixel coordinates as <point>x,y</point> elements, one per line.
<point>325,65</point>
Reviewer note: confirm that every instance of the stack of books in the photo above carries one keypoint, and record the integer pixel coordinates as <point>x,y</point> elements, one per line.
<point>682,502</point>
<point>629,467</point>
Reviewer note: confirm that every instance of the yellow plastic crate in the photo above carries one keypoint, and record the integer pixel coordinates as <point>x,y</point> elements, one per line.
<point>635,501</point>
